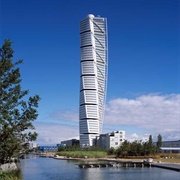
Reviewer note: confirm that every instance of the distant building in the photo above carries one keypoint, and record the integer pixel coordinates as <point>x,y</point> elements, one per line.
<point>70,142</point>
<point>111,140</point>
<point>61,145</point>
<point>48,148</point>
<point>170,146</point>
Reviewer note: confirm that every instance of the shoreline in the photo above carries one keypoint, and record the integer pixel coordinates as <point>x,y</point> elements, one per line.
<point>155,160</point>
<point>114,159</point>
<point>124,162</point>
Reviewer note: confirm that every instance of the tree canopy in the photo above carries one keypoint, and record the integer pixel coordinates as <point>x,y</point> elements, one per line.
<point>136,148</point>
<point>159,142</point>
<point>17,109</point>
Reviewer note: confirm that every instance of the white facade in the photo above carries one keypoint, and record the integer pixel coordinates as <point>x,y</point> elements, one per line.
<point>33,145</point>
<point>111,140</point>
<point>93,79</point>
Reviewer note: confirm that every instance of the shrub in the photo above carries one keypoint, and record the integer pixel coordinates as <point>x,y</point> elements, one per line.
<point>11,175</point>
<point>82,154</point>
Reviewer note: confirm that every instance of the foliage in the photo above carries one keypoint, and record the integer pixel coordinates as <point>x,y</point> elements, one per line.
<point>111,151</point>
<point>11,175</point>
<point>93,148</point>
<point>159,142</point>
<point>61,148</point>
<point>150,145</point>
<point>16,114</point>
<point>124,149</point>
<point>69,148</point>
<point>136,148</point>
<point>82,154</point>
<point>77,148</point>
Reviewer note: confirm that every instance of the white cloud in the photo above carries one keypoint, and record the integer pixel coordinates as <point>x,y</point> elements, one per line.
<point>54,133</point>
<point>152,112</point>
<point>138,137</point>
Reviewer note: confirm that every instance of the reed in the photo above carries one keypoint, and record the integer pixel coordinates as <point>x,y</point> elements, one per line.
<point>11,175</point>
<point>82,154</point>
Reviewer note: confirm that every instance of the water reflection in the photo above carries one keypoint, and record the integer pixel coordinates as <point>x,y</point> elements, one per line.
<point>37,168</point>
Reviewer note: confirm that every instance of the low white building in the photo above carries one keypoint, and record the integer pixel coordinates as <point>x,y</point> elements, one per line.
<point>32,145</point>
<point>111,140</point>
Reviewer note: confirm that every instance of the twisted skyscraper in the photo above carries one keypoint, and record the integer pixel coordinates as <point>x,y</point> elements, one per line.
<point>93,32</point>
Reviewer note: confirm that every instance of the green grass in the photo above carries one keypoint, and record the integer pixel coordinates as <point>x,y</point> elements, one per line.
<point>11,175</point>
<point>82,154</point>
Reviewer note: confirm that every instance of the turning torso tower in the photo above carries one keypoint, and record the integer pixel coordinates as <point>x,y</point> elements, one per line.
<point>93,78</point>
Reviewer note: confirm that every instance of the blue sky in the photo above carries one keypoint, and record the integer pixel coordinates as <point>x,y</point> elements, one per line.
<point>143,73</point>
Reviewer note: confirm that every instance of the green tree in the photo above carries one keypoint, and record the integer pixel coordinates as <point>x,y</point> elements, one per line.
<point>159,142</point>
<point>150,145</point>
<point>61,148</point>
<point>151,149</point>
<point>145,149</point>
<point>136,148</point>
<point>150,141</point>
<point>124,149</point>
<point>16,114</point>
<point>111,151</point>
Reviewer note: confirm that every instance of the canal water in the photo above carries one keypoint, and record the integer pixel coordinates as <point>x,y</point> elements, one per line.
<point>36,168</point>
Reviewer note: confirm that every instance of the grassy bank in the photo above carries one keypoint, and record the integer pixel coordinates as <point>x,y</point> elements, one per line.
<point>11,175</point>
<point>82,154</point>
<point>171,158</point>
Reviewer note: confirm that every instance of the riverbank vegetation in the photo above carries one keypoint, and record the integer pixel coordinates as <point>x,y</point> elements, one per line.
<point>77,152</point>
<point>169,157</point>
<point>83,154</point>
<point>17,112</point>
<point>135,149</point>
<point>11,175</point>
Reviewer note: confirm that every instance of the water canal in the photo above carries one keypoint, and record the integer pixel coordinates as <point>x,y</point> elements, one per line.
<point>36,168</point>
